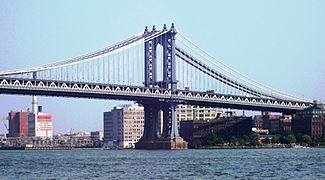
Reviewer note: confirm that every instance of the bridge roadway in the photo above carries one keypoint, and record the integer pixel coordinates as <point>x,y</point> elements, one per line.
<point>139,94</point>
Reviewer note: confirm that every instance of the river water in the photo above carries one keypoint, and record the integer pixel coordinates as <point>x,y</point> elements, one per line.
<point>308,163</point>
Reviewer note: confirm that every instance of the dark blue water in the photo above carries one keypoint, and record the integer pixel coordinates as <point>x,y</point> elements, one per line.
<point>140,164</point>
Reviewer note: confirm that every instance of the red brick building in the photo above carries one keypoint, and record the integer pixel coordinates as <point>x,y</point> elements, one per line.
<point>18,124</point>
<point>311,121</point>
<point>285,123</point>
<point>276,124</point>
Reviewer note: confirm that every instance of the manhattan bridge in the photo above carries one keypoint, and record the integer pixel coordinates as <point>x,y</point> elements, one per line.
<point>158,69</point>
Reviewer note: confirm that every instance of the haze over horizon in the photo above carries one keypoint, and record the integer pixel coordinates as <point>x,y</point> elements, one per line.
<point>280,44</point>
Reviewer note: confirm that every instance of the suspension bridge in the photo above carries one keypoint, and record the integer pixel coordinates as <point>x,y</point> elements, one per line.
<point>158,69</point>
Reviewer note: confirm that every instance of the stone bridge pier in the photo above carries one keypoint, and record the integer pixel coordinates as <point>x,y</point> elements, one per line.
<point>160,127</point>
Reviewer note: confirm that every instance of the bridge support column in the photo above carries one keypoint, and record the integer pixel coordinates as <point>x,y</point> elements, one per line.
<point>151,120</point>
<point>170,137</point>
<point>152,139</point>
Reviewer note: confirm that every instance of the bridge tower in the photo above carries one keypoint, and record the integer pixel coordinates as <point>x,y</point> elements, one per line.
<point>152,137</point>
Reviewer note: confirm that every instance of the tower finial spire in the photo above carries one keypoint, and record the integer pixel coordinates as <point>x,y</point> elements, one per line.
<point>146,29</point>
<point>165,27</point>
<point>173,29</point>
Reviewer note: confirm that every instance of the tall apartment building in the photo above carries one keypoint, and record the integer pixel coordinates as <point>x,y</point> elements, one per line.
<point>123,126</point>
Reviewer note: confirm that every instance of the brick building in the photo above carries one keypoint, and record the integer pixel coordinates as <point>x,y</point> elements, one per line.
<point>310,121</point>
<point>276,124</point>
<point>285,123</point>
<point>272,123</point>
<point>18,124</point>
<point>197,131</point>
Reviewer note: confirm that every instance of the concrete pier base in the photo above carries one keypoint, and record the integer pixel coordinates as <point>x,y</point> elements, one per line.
<point>166,143</point>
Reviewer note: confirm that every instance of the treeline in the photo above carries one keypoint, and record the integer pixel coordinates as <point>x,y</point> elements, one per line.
<point>253,140</point>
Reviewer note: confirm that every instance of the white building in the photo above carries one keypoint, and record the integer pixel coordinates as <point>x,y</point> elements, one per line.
<point>193,112</point>
<point>40,125</point>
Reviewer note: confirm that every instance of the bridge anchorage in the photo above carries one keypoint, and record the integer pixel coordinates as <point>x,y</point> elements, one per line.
<point>152,137</point>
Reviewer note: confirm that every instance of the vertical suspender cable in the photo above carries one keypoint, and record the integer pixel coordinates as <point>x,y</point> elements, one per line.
<point>108,69</point>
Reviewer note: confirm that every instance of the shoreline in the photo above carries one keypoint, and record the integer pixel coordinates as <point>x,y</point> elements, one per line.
<point>200,148</point>
<point>59,148</point>
<point>251,147</point>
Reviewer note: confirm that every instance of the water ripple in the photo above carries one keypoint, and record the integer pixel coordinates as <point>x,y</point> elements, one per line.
<point>141,164</point>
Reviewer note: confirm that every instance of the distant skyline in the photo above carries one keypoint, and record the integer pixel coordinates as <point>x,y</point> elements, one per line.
<point>278,43</point>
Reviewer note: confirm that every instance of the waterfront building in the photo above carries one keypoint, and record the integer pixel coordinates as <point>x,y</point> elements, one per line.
<point>310,121</point>
<point>123,126</point>
<point>285,123</point>
<point>97,138</point>
<point>194,112</point>
<point>35,123</point>
<point>18,124</point>
<point>271,122</point>
<point>195,132</point>
<point>276,124</point>
<point>77,140</point>
<point>257,126</point>
<point>40,124</point>
<point>80,139</point>
<point>258,122</point>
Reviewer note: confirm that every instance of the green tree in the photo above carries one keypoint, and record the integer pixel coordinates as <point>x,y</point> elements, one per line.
<point>299,137</point>
<point>211,140</point>
<point>283,139</point>
<point>220,141</point>
<point>276,139</point>
<point>267,140</point>
<point>306,139</point>
<point>246,140</point>
<point>322,141</point>
<point>242,142</point>
<point>291,139</point>
<point>215,140</point>
<point>234,141</point>
<point>253,140</point>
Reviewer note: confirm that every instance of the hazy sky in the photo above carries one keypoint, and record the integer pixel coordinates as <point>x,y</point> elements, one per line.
<point>280,43</point>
